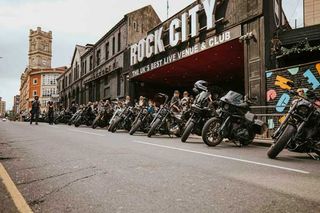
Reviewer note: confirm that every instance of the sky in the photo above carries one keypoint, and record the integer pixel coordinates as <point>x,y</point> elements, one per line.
<point>72,22</point>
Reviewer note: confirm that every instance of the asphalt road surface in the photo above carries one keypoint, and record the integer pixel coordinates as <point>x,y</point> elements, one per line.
<point>68,169</point>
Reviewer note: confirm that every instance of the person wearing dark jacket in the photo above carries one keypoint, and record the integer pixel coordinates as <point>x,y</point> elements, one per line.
<point>50,112</point>
<point>35,110</point>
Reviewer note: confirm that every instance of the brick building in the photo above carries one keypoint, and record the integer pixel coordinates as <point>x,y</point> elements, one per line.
<point>2,108</point>
<point>39,78</point>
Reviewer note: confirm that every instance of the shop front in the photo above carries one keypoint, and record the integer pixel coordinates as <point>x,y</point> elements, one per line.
<point>222,42</point>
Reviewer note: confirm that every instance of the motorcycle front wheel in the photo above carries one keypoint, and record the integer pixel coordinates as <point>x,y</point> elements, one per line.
<point>153,128</point>
<point>281,142</point>
<point>115,125</point>
<point>135,127</point>
<point>95,123</point>
<point>187,131</point>
<point>210,132</point>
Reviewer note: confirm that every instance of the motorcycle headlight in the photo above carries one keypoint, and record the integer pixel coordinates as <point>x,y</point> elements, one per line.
<point>303,110</point>
<point>226,106</point>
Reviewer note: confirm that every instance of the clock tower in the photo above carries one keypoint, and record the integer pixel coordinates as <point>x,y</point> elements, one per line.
<point>40,49</point>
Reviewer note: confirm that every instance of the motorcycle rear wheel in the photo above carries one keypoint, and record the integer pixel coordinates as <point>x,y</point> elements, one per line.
<point>187,131</point>
<point>210,130</point>
<point>153,128</point>
<point>281,142</point>
<point>135,127</point>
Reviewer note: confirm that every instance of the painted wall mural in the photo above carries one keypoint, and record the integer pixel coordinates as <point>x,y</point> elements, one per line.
<point>305,77</point>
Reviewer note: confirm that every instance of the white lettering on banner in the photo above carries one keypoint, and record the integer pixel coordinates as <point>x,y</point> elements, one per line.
<point>194,20</point>
<point>133,54</point>
<point>208,43</point>
<point>208,8</point>
<point>184,27</point>
<point>158,44</point>
<point>141,50</point>
<point>149,48</point>
<point>174,36</point>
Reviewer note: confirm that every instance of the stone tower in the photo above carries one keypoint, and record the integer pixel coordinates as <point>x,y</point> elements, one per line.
<point>40,48</point>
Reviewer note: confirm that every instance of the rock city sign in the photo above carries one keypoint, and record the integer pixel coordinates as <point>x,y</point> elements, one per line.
<point>210,42</point>
<point>178,32</point>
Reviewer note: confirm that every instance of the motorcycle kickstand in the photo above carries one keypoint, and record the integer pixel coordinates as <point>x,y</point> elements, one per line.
<point>313,156</point>
<point>237,144</point>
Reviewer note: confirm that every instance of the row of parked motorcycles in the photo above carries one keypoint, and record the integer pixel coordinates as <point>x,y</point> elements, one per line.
<point>228,118</point>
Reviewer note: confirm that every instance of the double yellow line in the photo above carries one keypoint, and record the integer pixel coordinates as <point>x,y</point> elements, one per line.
<point>16,196</point>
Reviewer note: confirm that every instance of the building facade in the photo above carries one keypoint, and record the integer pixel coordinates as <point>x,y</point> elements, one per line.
<point>39,78</point>
<point>311,12</point>
<point>15,107</point>
<point>2,107</point>
<point>100,71</point>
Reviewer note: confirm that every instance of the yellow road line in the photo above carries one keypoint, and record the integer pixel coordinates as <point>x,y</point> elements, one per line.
<point>16,196</point>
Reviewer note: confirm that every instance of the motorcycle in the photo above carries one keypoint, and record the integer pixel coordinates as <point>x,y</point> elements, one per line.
<point>103,117</point>
<point>200,114</point>
<point>142,121</point>
<point>299,132</point>
<point>75,116</point>
<point>234,121</point>
<point>86,117</point>
<point>165,121</point>
<point>124,120</point>
<point>62,117</point>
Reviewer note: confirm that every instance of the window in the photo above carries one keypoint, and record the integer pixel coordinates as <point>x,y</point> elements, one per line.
<point>91,63</point>
<point>113,45</point>
<point>35,81</point>
<point>85,66</point>
<point>34,92</point>
<point>107,50</point>
<point>119,41</point>
<point>98,57</point>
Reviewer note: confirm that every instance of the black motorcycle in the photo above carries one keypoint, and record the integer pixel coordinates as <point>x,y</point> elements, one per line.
<point>103,117</point>
<point>85,118</point>
<point>124,120</point>
<point>63,117</point>
<point>234,122</point>
<point>165,121</point>
<point>200,114</point>
<point>142,121</point>
<point>75,116</point>
<point>299,132</point>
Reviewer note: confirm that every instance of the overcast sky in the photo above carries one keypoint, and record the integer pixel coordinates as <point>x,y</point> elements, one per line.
<point>72,22</point>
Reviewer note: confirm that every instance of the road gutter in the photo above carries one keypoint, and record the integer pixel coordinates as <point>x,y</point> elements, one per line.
<point>12,189</point>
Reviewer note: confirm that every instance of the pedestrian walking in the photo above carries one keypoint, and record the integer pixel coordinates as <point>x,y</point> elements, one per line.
<point>50,112</point>
<point>35,110</point>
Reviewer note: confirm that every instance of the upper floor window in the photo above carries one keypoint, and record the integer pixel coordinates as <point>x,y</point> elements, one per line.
<point>119,41</point>
<point>49,79</point>
<point>91,63</point>
<point>113,45</point>
<point>35,81</point>
<point>107,50</point>
<point>98,57</point>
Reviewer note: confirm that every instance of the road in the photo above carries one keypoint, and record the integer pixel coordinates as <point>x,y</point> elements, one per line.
<point>67,169</point>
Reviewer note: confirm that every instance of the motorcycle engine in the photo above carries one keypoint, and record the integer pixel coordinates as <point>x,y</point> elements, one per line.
<point>241,134</point>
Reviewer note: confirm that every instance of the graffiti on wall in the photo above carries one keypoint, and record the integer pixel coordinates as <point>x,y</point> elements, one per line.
<point>305,77</point>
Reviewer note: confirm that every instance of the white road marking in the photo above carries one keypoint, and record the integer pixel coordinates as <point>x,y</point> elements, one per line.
<point>90,133</point>
<point>225,157</point>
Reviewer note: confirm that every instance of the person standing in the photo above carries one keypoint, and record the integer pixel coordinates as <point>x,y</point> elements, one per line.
<point>50,112</point>
<point>35,110</point>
